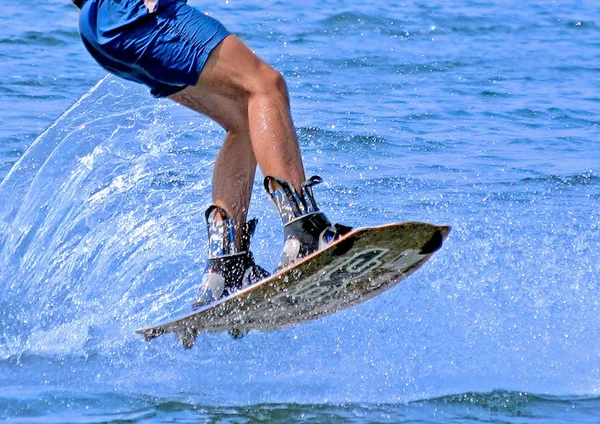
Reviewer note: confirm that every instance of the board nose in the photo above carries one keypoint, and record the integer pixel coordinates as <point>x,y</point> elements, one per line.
<point>435,242</point>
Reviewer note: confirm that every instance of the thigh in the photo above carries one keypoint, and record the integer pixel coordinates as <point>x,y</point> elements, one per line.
<point>234,71</point>
<point>231,72</point>
<point>231,114</point>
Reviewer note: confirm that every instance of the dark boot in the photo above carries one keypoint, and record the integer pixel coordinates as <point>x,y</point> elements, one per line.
<point>305,228</point>
<point>228,270</point>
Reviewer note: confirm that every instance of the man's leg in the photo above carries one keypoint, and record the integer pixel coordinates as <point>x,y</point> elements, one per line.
<point>235,165</point>
<point>247,96</point>
<point>250,100</point>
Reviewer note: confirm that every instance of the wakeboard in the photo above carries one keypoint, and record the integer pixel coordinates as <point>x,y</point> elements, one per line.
<point>360,265</point>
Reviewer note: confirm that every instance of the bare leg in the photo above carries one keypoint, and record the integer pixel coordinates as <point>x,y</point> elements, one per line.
<point>235,166</point>
<point>250,100</point>
<point>233,176</point>
<point>235,72</point>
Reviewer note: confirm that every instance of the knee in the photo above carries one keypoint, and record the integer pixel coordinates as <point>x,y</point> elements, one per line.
<point>269,82</point>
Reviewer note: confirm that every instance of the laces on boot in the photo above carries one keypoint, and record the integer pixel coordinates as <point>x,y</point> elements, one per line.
<point>228,270</point>
<point>306,229</point>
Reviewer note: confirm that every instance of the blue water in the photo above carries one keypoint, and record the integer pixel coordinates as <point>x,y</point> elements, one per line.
<point>481,115</point>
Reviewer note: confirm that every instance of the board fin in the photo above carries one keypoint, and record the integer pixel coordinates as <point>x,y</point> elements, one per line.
<point>237,333</point>
<point>153,333</point>
<point>187,337</point>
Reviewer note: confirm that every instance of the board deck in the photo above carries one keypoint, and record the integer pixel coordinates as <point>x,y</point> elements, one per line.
<point>360,265</point>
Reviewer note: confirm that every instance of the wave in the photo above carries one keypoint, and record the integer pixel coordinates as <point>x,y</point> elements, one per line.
<point>404,26</point>
<point>37,405</point>
<point>575,180</point>
<point>338,140</point>
<point>507,400</point>
<point>47,39</point>
<point>352,22</point>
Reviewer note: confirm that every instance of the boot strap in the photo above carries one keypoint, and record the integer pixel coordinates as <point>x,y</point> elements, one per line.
<point>289,203</point>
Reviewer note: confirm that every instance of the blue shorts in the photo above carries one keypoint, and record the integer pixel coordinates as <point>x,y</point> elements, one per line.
<point>165,50</point>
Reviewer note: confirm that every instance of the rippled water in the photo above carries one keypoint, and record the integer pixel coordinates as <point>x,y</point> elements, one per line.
<point>480,115</point>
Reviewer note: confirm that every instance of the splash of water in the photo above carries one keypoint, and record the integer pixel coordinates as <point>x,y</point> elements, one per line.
<point>96,217</point>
